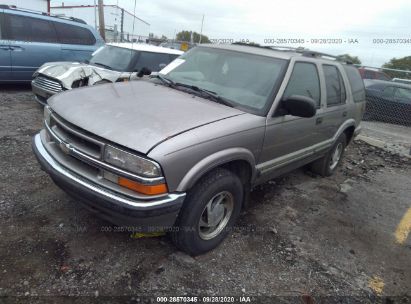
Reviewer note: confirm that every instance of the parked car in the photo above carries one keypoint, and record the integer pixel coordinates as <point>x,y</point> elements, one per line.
<point>114,62</point>
<point>388,101</point>
<point>373,74</point>
<point>181,152</point>
<point>28,40</point>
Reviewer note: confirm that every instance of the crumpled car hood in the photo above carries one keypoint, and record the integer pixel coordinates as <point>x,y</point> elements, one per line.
<point>68,72</point>
<point>137,114</point>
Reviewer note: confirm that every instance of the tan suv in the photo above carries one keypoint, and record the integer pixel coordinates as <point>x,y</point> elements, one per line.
<point>181,152</point>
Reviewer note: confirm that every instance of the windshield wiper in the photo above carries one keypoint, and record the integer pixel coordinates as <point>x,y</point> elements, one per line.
<point>208,93</point>
<point>165,80</point>
<point>103,65</point>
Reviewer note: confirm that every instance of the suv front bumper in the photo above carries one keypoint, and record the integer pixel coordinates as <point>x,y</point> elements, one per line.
<point>158,214</point>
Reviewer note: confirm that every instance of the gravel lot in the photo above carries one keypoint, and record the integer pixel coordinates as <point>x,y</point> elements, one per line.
<point>302,236</point>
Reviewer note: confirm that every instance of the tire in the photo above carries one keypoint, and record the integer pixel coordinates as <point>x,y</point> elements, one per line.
<point>190,233</point>
<point>326,166</point>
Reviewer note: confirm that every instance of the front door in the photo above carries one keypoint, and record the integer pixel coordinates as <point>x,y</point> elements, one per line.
<point>289,139</point>
<point>5,58</point>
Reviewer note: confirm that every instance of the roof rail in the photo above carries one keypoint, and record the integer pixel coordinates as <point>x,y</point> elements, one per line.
<point>301,50</point>
<point>309,53</point>
<point>13,7</point>
<point>287,48</point>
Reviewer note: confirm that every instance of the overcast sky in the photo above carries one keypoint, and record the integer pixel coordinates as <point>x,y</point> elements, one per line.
<point>259,20</point>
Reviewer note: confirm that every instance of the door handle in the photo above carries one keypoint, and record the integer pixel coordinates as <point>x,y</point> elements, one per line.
<point>4,47</point>
<point>16,48</point>
<point>318,120</point>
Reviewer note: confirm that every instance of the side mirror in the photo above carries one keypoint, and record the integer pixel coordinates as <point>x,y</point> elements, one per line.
<point>162,66</point>
<point>143,71</point>
<point>298,105</point>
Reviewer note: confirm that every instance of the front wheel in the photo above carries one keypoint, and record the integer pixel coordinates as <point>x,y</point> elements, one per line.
<point>209,212</point>
<point>327,165</point>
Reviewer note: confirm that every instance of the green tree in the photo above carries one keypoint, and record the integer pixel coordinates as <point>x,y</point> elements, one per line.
<point>350,58</point>
<point>186,36</point>
<point>398,64</point>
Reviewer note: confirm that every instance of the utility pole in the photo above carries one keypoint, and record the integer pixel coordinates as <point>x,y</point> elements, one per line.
<point>95,14</point>
<point>122,26</point>
<point>102,26</point>
<point>201,31</point>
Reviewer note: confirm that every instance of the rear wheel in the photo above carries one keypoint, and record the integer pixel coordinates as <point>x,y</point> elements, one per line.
<point>327,165</point>
<point>209,212</point>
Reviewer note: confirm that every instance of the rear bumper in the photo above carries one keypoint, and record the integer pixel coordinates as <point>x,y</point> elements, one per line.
<point>149,215</point>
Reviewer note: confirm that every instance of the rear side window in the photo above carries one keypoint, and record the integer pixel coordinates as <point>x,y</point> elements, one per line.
<point>356,82</point>
<point>71,34</point>
<point>369,75</point>
<point>334,86</point>
<point>382,76</point>
<point>151,61</point>
<point>304,81</point>
<point>23,28</point>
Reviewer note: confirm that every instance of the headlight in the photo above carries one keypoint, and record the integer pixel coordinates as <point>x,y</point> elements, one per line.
<point>47,114</point>
<point>131,162</point>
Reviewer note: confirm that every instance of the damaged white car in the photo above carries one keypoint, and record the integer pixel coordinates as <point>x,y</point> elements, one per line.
<point>115,62</point>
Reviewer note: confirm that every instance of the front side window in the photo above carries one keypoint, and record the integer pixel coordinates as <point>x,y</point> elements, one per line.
<point>72,34</point>
<point>113,58</point>
<point>246,80</point>
<point>402,93</point>
<point>334,85</point>
<point>1,20</point>
<point>304,81</point>
<point>23,28</point>
<point>388,92</point>
<point>152,61</point>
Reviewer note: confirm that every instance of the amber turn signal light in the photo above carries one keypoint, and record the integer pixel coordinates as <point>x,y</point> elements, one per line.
<point>145,189</point>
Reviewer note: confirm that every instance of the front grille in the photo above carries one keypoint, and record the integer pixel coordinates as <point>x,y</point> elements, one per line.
<point>48,84</point>
<point>78,139</point>
<point>84,151</point>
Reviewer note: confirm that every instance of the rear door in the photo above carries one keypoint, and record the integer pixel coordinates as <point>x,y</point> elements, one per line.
<point>77,42</point>
<point>33,42</point>
<point>5,58</point>
<point>336,111</point>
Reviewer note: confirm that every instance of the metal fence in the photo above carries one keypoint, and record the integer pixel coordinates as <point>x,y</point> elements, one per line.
<point>387,117</point>
<point>388,101</point>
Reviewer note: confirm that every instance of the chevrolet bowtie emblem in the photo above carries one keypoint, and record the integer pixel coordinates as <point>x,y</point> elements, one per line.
<point>65,147</point>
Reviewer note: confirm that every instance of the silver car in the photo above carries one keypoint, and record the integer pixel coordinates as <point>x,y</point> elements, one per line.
<point>181,152</point>
<point>114,62</point>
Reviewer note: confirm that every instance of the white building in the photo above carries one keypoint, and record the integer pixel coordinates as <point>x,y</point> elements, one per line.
<point>117,20</point>
<point>35,5</point>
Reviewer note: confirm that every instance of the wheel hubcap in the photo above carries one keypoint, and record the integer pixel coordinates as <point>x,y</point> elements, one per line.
<point>335,158</point>
<point>216,215</point>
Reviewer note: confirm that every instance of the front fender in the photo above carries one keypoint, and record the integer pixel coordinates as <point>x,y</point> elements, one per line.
<point>214,160</point>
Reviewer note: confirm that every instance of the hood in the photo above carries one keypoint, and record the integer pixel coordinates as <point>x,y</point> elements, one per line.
<point>137,114</point>
<point>68,72</point>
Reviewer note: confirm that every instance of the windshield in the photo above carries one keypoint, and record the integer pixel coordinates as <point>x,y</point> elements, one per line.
<point>114,58</point>
<point>245,79</point>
